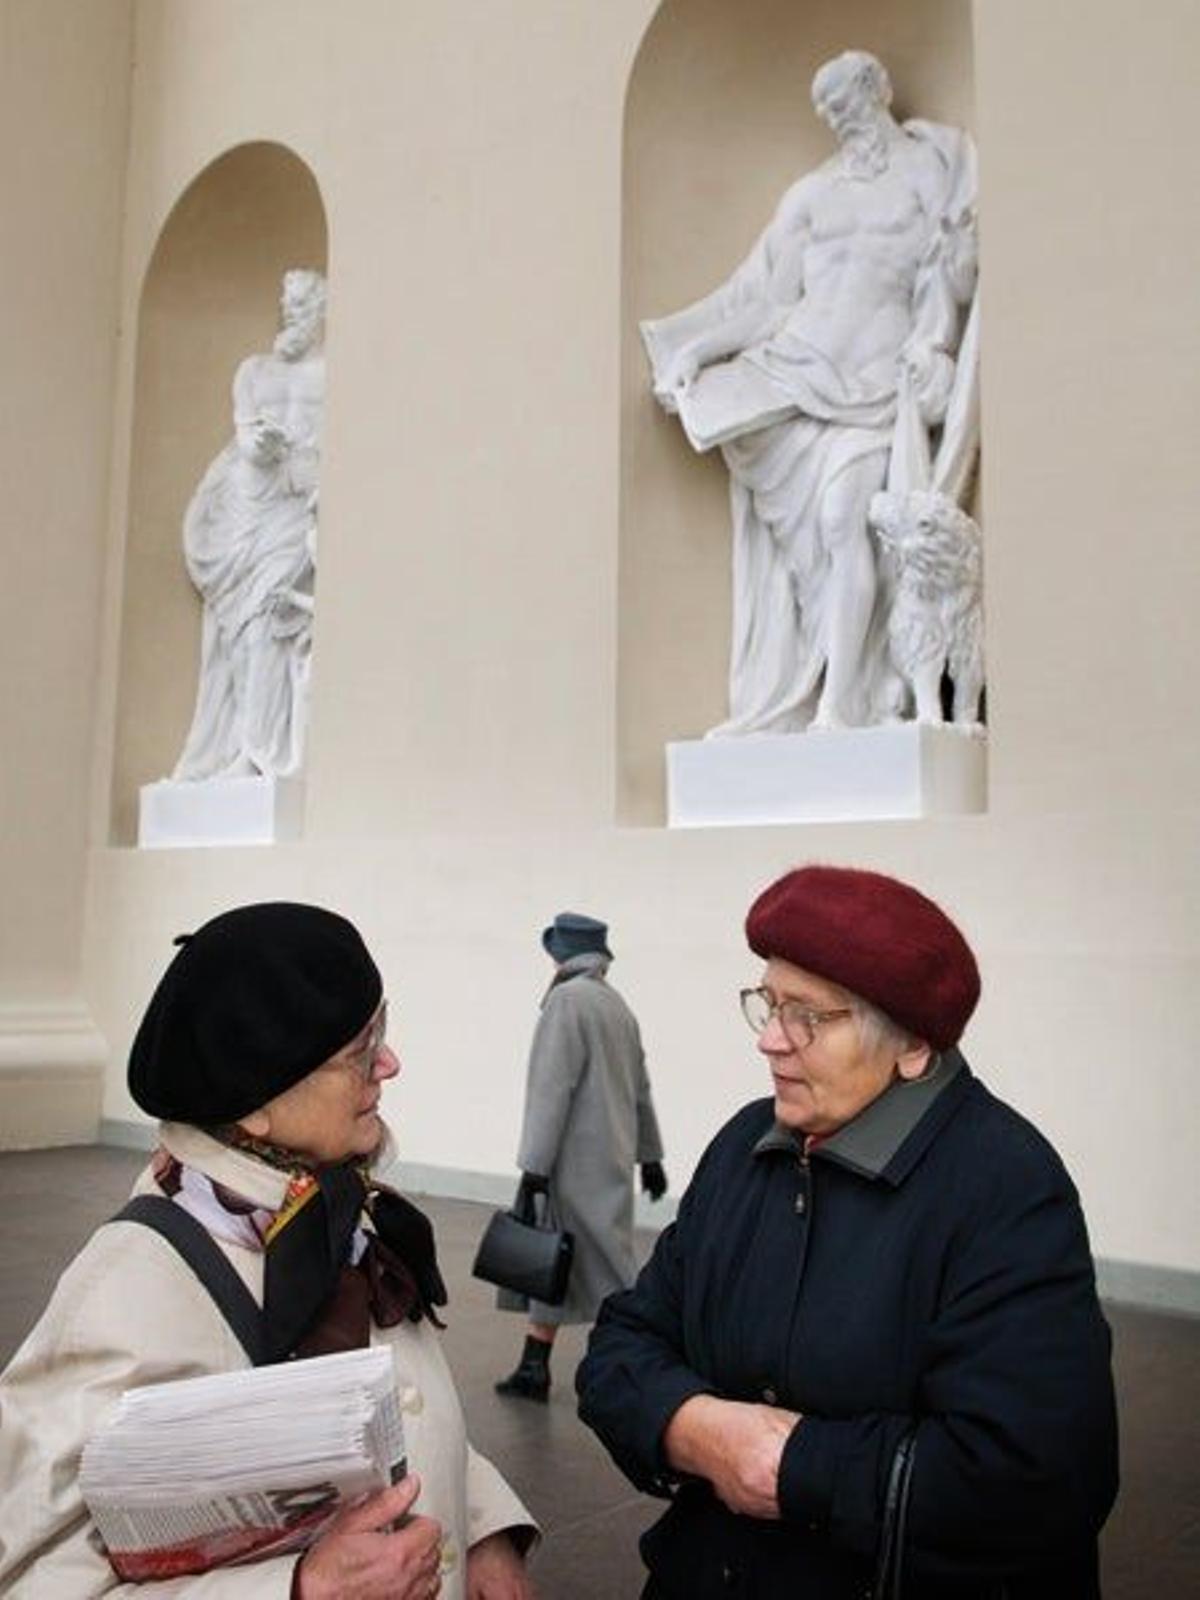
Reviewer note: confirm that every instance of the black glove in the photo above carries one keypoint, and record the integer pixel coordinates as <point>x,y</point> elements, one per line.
<point>525,1205</point>
<point>654,1179</point>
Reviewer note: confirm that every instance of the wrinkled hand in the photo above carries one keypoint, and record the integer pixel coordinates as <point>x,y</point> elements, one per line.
<point>496,1572</point>
<point>654,1179</point>
<point>736,1446</point>
<point>360,1558</point>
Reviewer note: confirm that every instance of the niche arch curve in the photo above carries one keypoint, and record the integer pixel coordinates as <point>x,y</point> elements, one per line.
<point>209,297</point>
<point>717,123</point>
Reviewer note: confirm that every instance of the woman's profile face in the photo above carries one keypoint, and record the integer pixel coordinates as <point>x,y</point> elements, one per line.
<point>823,1085</point>
<point>332,1114</point>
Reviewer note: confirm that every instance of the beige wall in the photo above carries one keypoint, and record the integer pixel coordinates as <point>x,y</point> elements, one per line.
<point>64,105</point>
<point>64,101</point>
<point>464,753</point>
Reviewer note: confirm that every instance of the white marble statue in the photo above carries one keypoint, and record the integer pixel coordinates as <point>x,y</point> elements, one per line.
<point>841,326</point>
<point>249,540</point>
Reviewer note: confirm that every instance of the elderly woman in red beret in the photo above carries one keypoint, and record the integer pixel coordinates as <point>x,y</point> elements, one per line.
<point>869,1352</point>
<point>267,1236</point>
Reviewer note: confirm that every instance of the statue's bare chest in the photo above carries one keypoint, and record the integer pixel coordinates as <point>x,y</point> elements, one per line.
<point>292,392</point>
<point>888,206</point>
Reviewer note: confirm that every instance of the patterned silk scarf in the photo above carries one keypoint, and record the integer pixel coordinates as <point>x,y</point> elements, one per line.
<point>326,1278</point>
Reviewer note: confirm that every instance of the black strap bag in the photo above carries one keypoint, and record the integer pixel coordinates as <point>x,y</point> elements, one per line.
<point>525,1252</point>
<point>206,1259</point>
<point>889,1573</point>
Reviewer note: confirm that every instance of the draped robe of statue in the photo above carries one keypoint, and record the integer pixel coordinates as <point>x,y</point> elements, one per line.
<point>796,424</point>
<point>249,538</point>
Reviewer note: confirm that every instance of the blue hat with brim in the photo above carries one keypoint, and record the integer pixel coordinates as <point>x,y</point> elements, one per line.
<point>572,934</point>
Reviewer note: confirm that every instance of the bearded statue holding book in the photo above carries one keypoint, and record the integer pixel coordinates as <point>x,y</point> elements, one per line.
<point>838,360</point>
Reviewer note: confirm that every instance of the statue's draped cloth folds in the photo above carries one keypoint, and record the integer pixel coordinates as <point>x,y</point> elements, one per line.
<point>248,541</point>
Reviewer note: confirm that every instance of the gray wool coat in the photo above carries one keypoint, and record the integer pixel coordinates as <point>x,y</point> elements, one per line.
<point>589,1119</point>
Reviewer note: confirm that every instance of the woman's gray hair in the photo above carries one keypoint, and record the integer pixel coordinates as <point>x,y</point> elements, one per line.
<point>876,1030</point>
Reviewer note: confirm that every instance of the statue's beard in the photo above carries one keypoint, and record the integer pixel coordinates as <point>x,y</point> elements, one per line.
<point>297,337</point>
<point>866,150</point>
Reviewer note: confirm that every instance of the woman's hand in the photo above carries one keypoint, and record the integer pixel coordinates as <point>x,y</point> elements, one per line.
<point>360,1558</point>
<point>496,1572</point>
<point>736,1446</point>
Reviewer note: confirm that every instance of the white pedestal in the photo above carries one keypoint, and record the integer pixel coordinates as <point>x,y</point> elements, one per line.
<point>219,811</point>
<point>835,775</point>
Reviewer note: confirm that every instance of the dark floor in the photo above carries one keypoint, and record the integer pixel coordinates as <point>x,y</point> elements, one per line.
<point>591,1518</point>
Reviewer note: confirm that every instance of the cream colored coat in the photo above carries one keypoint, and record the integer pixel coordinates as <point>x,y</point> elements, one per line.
<point>129,1311</point>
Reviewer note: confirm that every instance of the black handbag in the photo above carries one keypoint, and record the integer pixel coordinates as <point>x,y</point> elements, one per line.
<point>526,1253</point>
<point>889,1565</point>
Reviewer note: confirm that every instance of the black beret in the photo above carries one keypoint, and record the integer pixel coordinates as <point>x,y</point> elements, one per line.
<point>880,938</point>
<point>254,1001</point>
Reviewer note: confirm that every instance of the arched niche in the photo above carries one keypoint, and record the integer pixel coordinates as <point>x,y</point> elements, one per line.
<point>210,297</point>
<point>718,123</point>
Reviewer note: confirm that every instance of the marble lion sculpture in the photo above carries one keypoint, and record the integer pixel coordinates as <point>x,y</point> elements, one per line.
<point>936,619</point>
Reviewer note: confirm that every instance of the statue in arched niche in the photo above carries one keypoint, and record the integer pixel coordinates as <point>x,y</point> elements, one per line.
<point>841,350</point>
<point>249,539</point>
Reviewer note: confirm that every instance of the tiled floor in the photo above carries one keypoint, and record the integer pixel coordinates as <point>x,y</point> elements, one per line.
<point>591,1517</point>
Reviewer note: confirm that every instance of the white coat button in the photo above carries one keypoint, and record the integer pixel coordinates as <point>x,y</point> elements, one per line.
<point>447,1557</point>
<point>411,1399</point>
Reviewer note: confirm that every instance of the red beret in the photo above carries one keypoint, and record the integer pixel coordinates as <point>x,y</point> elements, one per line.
<point>879,938</point>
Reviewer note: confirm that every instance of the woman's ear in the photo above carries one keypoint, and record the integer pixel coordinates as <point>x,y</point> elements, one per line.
<point>256,1123</point>
<point>913,1061</point>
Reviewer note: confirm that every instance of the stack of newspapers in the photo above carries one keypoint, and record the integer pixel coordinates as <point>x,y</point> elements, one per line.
<point>208,1471</point>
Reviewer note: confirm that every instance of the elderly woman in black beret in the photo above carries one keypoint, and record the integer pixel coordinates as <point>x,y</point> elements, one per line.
<point>264,1050</point>
<point>876,1310</point>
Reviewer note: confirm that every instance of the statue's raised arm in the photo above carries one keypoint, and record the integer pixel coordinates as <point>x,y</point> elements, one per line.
<point>746,310</point>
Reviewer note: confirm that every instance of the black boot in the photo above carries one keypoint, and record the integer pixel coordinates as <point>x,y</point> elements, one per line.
<point>530,1380</point>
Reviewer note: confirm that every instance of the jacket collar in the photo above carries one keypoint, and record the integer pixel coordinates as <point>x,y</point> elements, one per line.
<point>238,1170</point>
<point>887,1139</point>
<point>587,964</point>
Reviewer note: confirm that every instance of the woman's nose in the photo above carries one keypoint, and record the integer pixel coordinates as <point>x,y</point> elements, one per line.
<point>773,1040</point>
<point>386,1064</point>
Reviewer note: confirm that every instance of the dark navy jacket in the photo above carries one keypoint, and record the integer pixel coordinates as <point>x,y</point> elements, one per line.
<point>926,1264</point>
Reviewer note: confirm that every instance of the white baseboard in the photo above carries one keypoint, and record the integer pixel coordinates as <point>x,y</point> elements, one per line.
<point>1133,1283</point>
<point>123,1133</point>
<point>1136,1283</point>
<point>52,1063</point>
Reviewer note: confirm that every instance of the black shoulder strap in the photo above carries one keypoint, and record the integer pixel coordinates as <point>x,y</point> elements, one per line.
<point>206,1259</point>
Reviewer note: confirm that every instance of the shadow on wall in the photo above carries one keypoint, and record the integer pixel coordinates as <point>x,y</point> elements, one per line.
<point>210,297</point>
<point>718,123</point>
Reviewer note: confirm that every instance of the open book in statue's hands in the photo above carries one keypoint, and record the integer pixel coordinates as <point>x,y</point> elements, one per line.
<point>728,399</point>
<point>717,402</point>
<point>209,1471</point>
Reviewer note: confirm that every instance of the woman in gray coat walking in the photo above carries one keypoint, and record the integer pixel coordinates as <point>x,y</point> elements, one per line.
<point>589,1119</point>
